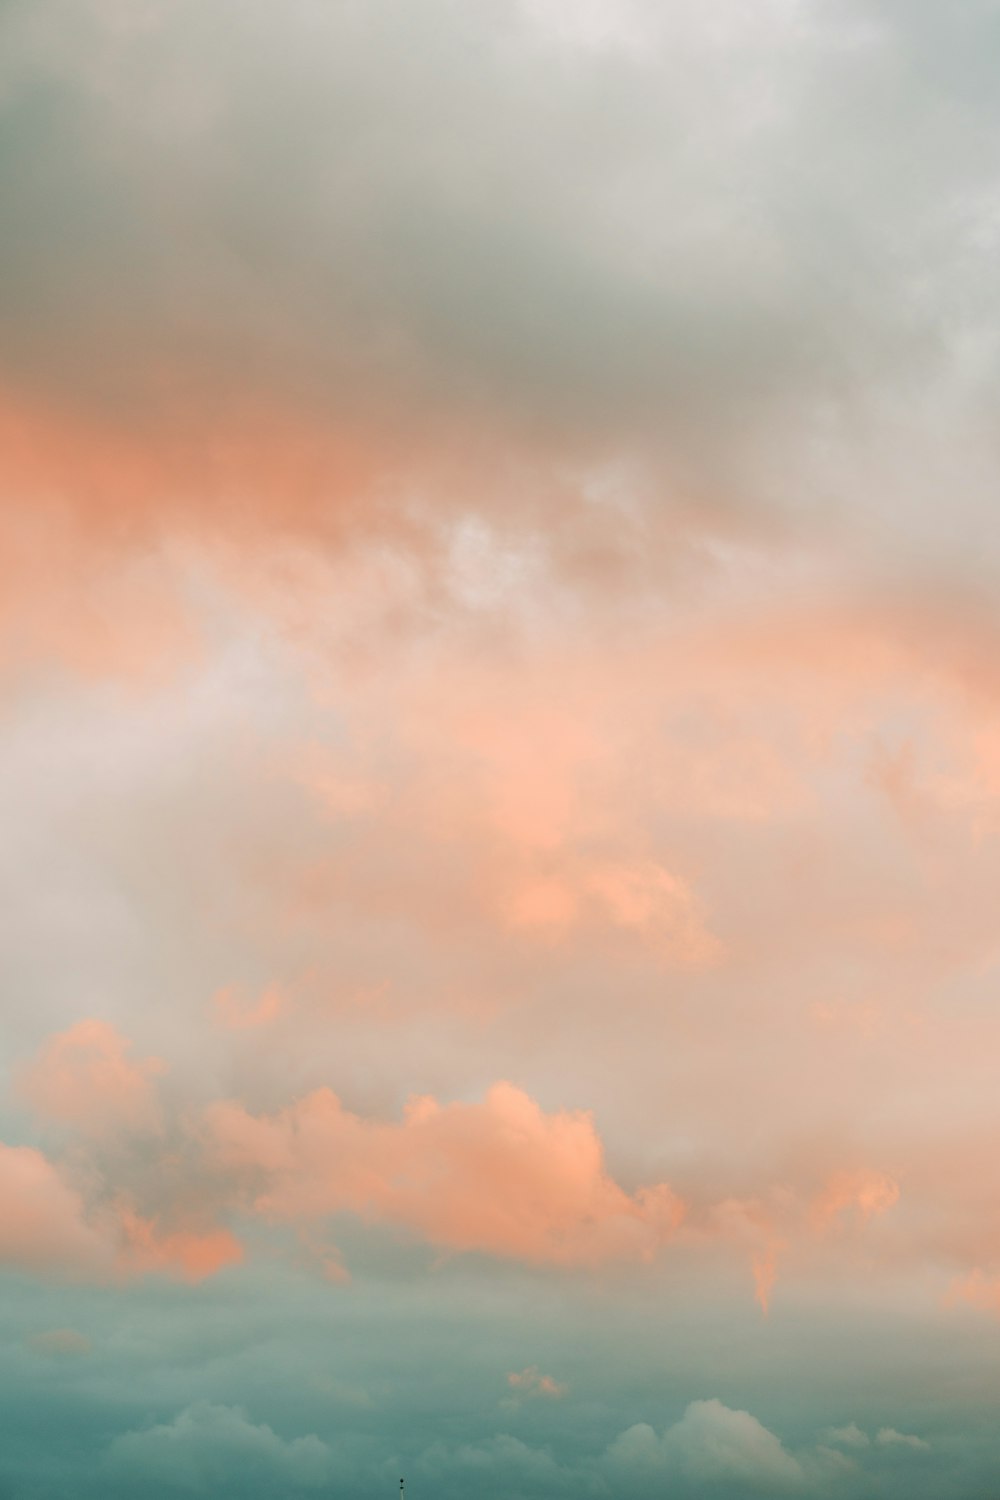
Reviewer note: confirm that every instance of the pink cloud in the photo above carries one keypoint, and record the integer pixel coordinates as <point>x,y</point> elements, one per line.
<point>781,1223</point>
<point>46,1227</point>
<point>185,1255</point>
<point>531,1382</point>
<point>637,898</point>
<point>765,1273</point>
<point>239,1015</point>
<point>978,1289</point>
<point>43,1225</point>
<point>84,1077</point>
<point>501,1177</point>
<point>868,1192</point>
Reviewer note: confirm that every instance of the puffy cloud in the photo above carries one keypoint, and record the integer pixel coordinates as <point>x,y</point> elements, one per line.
<point>207,1448</point>
<point>47,1228</point>
<point>854,1438</point>
<point>43,1223</point>
<point>84,1077</point>
<point>501,1177</point>
<point>711,1444</point>
<point>188,1255</point>
<point>501,1460</point>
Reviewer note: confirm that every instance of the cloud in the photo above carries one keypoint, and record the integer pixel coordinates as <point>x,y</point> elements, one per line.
<point>503,1461</point>
<point>850,1436</point>
<point>710,1444</point>
<point>47,1229</point>
<point>713,1442</point>
<point>208,1447</point>
<point>641,898</point>
<point>888,1437</point>
<point>43,1225</point>
<point>868,1192</point>
<point>189,1255</point>
<point>84,1077</point>
<point>628,239</point>
<point>853,1437</point>
<point>497,541</point>
<point>978,1289</point>
<point>60,1343</point>
<point>242,1016</point>
<point>501,1177</point>
<point>530,1382</point>
<point>783,1220</point>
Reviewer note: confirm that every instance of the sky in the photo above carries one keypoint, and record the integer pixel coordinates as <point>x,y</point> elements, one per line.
<point>499,749</point>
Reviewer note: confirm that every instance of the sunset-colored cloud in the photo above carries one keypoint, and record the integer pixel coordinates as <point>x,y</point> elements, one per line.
<point>782,1221</point>
<point>868,1192</point>
<point>188,1255</point>
<point>85,1077</point>
<point>531,1382</point>
<point>978,1289</point>
<point>238,1014</point>
<point>43,1224</point>
<point>499,578</point>
<point>500,1177</point>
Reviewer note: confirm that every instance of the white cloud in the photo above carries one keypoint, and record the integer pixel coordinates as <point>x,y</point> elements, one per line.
<point>207,1447</point>
<point>888,1437</point>
<point>711,1443</point>
<point>850,1436</point>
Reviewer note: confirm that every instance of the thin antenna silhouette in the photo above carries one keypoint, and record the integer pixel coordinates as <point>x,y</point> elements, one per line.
<point>402,1492</point>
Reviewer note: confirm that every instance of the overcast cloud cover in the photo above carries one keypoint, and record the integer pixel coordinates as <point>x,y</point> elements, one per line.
<point>500,753</point>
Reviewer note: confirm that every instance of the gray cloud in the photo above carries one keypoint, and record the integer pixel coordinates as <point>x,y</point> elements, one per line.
<point>60,1343</point>
<point>210,1447</point>
<point>748,249</point>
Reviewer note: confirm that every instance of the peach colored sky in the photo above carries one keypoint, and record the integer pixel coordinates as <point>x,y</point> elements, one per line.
<point>500,756</point>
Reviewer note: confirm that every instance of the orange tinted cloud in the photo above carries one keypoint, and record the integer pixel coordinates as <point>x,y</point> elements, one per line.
<point>782,1222</point>
<point>977,1289</point>
<point>239,1015</point>
<point>868,1192</point>
<point>501,1177</point>
<point>184,1254</point>
<point>765,1274</point>
<point>531,1382</point>
<point>84,1077</point>
<point>43,1226</point>
<point>638,898</point>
